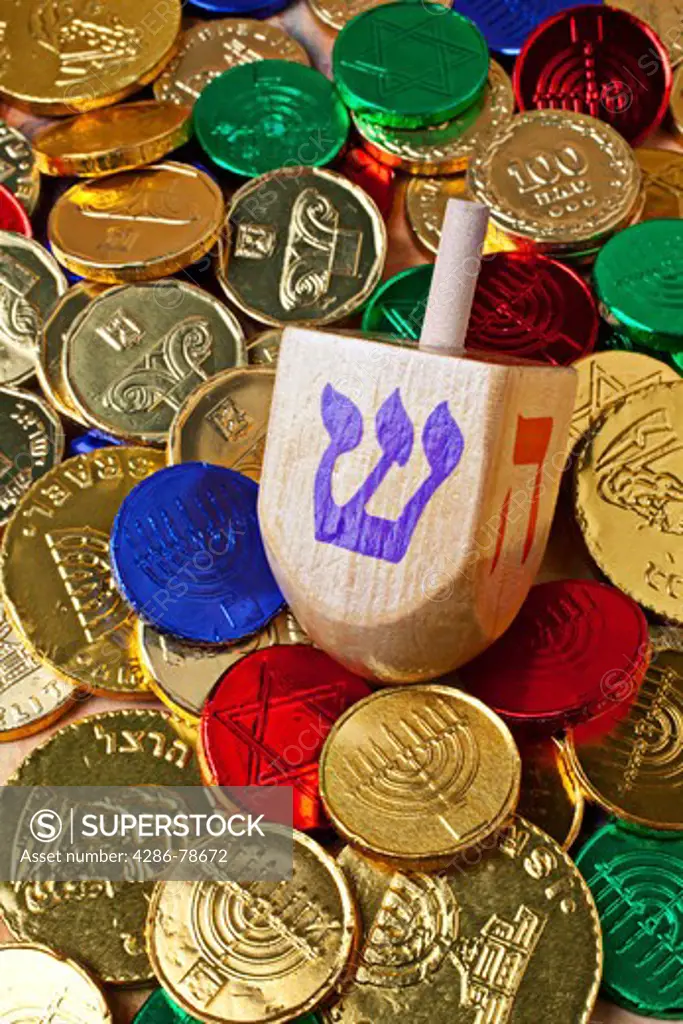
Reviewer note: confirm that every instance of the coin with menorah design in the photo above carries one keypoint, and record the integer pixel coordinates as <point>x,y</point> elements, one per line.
<point>576,648</point>
<point>38,985</point>
<point>137,225</point>
<point>83,54</point>
<point>182,675</point>
<point>137,352</point>
<point>267,718</point>
<point>187,555</point>
<point>67,609</point>
<point>487,940</point>
<point>415,775</point>
<point>637,279</point>
<point>225,421</point>
<point>636,878</point>
<point>258,952</point>
<point>98,922</point>
<point>634,768</point>
<point>629,497</point>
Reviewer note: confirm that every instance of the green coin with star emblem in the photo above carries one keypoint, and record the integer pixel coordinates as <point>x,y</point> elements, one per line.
<point>398,306</point>
<point>410,65</point>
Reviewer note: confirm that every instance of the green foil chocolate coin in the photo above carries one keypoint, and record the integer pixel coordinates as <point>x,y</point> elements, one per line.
<point>269,114</point>
<point>160,1009</point>
<point>398,306</point>
<point>636,877</point>
<point>410,64</point>
<point>638,278</point>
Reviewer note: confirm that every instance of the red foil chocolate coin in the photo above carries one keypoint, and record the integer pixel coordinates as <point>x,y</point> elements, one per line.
<point>532,307</point>
<point>377,179</point>
<point>13,216</point>
<point>267,718</point>
<point>599,61</point>
<point>576,650</point>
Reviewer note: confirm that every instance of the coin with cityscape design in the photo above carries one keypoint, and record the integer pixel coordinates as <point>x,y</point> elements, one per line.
<point>301,245</point>
<point>635,768</point>
<point>255,952</point>
<point>629,497</point>
<point>415,775</point>
<point>31,444</point>
<point>183,675</point>
<point>662,171</point>
<point>606,378</point>
<point>38,985</point>
<point>137,352</point>
<point>476,943</point>
<point>445,148</point>
<point>136,225</point>
<point>426,200</point>
<point>60,58</point>
<point>550,795</point>
<point>18,169</point>
<point>115,139</point>
<point>264,349</point>
<point>30,285</point>
<point>336,13</point>
<point>560,180</point>
<point>98,923</point>
<point>209,48</point>
<point>67,608</point>
<point>225,421</point>
<point>31,696</point>
<point>60,322</point>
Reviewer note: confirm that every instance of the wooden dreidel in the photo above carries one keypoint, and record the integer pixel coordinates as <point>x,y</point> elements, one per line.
<point>407,494</point>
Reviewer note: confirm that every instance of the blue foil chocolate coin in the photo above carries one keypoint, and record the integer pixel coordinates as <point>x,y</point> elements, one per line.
<point>187,555</point>
<point>505,24</point>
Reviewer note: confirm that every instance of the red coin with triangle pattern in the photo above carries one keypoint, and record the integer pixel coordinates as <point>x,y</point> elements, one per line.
<point>267,718</point>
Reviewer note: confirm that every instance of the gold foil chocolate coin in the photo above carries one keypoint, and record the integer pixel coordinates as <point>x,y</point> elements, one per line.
<point>550,796</point>
<point>50,366</point>
<point>259,952</point>
<point>30,285</point>
<point>138,351</point>
<point>426,200</point>
<point>225,421</point>
<point>182,676</point>
<point>264,349</point>
<point>635,768</point>
<point>116,139</point>
<point>31,696</point>
<point>136,225</point>
<point>444,148</point>
<point>336,13</point>
<point>629,497</point>
<point>61,58</point>
<point>40,986</point>
<point>98,923</point>
<point>67,607</point>
<point>18,169</point>
<point>31,444</point>
<point>662,171</point>
<point>492,936</point>
<point>301,245</point>
<point>664,16</point>
<point>606,378</point>
<point>563,181</point>
<point>211,47</point>
<point>415,775</point>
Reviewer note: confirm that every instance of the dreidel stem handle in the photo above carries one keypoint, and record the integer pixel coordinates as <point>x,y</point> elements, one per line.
<point>455,277</point>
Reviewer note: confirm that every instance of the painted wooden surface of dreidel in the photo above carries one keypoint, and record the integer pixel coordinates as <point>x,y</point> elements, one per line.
<point>407,493</point>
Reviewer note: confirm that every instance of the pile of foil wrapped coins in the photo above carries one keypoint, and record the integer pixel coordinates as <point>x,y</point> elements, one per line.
<point>179,184</point>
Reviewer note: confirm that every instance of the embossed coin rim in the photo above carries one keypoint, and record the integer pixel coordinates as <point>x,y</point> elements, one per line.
<point>339,311</point>
<point>53,419</point>
<point>174,453</point>
<point>439,858</point>
<point>351,927</point>
<point>138,271</point>
<point>116,157</point>
<point>37,947</point>
<point>80,399</point>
